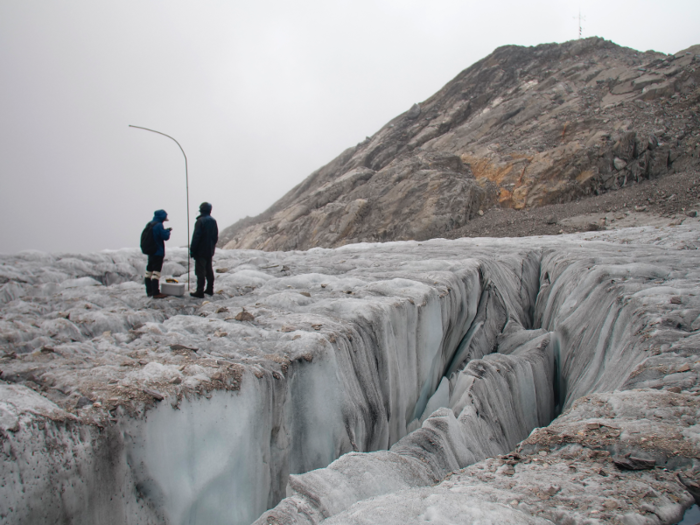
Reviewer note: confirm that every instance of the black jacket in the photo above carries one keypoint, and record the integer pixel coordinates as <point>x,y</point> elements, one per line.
<point>204,238</point>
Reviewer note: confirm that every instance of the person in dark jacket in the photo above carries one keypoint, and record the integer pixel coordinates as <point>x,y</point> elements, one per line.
<point>155,261</point>
<point>204,239</point>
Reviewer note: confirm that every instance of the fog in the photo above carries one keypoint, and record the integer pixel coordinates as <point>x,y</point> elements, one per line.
<point>259,95</point>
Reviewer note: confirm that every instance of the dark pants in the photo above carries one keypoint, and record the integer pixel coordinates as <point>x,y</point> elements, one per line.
<point>155,263</point>
<point>203,269</point>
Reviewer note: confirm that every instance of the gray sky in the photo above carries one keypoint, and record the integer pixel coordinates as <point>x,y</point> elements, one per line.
<point>259,95</point>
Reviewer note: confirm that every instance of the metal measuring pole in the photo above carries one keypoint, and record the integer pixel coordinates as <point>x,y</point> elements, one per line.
<point>187,189</point>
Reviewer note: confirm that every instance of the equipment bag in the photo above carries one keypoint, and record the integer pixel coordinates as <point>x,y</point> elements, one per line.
<point>148,243</point>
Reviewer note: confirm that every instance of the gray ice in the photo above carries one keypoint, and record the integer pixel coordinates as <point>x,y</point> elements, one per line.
<point>467,381</point>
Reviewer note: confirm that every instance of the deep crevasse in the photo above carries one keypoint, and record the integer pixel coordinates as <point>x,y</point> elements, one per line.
<point>388,359</point>
<point>495,401</point>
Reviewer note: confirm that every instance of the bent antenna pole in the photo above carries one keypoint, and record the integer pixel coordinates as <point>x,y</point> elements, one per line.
<point>187,190</point>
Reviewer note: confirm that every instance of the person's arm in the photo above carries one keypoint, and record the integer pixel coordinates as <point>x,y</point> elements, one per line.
<point>160,233</point>
<point>196,238</point>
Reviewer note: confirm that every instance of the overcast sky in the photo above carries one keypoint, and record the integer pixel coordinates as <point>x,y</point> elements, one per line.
<point>259,95</point>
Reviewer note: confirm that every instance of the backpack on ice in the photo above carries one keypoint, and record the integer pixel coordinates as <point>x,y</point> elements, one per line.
<point>148,243</point>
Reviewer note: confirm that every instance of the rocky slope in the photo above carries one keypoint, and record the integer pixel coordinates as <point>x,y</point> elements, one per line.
<point>522,128</point>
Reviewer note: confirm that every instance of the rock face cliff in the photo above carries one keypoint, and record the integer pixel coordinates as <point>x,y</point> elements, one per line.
<point>523,127</point>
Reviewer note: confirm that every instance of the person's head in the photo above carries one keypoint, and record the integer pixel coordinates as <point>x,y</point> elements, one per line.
<point>160,215</point>
<point>205,208</point>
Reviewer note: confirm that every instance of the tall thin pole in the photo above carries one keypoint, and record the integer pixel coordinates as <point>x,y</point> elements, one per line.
<point>187,189</point>
<point>580,25</point>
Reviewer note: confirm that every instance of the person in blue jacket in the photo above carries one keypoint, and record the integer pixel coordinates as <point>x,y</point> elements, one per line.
<point>155,261</point>
<point>204,239</point>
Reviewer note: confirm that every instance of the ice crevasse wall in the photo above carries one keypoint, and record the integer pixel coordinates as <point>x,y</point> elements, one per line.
<point>431,356</point>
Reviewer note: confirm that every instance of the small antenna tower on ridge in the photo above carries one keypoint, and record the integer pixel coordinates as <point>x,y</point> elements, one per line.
<point>580,25</point>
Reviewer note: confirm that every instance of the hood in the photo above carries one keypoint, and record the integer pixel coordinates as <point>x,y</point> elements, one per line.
<point>205,208</point>
<point>160,215</point>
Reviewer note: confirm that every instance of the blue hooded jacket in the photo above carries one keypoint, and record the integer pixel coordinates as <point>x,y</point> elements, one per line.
<point>160,234</point>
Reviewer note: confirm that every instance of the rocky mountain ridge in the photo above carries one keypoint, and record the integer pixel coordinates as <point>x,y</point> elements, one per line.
<point>521,128</point>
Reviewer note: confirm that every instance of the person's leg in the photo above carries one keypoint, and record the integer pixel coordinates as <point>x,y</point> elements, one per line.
<point>148,276</point>
<point>200,272</point>
<point>210,277</point>
<point>155,276</point>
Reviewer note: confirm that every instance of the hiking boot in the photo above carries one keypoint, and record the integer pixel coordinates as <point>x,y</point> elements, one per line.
<point>149,289</point>
<point>209,292</point>
<point>155,289</point>
<point>197,294</point>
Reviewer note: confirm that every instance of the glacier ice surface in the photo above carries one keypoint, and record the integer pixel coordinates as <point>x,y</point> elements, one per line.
<point>370,380</point>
